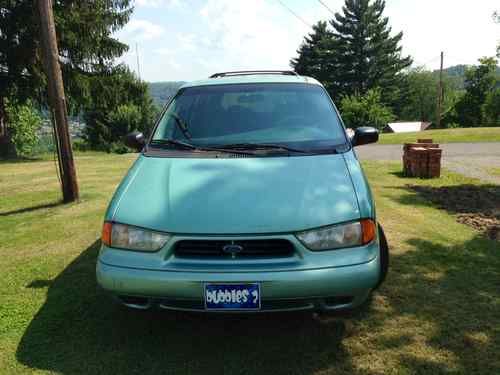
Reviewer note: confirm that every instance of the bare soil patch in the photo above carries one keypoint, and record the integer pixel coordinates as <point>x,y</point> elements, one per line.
<point>477,206</point>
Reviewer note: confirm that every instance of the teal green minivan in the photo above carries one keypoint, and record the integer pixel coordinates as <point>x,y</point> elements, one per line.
<point>248,197</point>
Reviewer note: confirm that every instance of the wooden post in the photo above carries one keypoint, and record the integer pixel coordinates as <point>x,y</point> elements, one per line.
<point>440,94</point>
<point>57,101</point>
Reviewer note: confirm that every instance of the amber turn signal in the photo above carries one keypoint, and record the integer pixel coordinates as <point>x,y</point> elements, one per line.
<point>369,229</point>
<point>106,233</point>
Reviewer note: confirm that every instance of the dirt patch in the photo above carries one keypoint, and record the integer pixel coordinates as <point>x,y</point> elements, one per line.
<point>477,206</point>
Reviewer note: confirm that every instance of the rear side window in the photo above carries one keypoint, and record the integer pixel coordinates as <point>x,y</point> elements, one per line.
<point>292,114</point>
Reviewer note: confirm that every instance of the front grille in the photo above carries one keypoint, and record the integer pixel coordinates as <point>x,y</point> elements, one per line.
<point>250,248</point>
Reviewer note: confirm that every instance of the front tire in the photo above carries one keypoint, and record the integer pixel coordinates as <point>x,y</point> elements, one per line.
<point>384,256</point>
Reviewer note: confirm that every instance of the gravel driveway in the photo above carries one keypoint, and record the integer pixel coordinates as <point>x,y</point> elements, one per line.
<point>469,159</point>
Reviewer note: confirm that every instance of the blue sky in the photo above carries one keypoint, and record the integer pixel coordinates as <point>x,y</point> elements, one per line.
<point>191,39</point>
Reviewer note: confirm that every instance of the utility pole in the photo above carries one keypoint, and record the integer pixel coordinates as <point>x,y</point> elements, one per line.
<point>137,55</point>
<point>440,94</point>
<point>57,101</point>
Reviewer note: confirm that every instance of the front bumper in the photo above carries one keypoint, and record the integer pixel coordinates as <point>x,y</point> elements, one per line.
<point>328,288</point>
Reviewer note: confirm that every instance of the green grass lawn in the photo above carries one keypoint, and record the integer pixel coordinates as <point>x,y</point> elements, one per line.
<point>445,136</point>
<point>437,313</point>
<point>494,171</point>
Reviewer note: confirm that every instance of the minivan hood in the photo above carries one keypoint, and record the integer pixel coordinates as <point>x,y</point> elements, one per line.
<point>235,195</point>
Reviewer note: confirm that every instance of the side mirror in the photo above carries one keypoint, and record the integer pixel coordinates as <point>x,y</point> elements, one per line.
<point>135,140</point>
<point>364,135</point>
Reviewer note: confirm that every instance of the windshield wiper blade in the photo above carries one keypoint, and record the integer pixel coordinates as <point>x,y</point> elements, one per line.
<point>261,146</point>
<point>175,142</point>
<point>181,124</point>
<point>189,146</point>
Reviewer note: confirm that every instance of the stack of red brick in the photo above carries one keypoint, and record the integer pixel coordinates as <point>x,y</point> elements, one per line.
<point>422,159</point>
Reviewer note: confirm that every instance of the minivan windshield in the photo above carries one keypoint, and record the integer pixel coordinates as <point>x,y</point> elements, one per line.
<point>301,116</point>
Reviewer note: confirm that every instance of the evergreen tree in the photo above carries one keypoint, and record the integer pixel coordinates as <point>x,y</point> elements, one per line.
<point>366,55</point>
<point>121,103</point>
<point>314,57</point>
<point>86,47</point>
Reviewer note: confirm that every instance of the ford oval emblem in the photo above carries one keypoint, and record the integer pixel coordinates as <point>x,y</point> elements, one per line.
<point>232,249</point>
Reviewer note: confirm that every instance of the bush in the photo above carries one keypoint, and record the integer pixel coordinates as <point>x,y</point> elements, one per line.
<point>365,110</point>
<point>23,122</point>
<point>80,145</point>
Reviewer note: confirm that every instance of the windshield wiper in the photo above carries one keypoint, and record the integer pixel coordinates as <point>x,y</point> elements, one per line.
<point>261,146</point>
<point>189,146</point>
<point>181,124</point>
<point>175,142</point>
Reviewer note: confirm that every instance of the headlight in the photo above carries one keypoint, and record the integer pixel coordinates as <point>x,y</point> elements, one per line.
<point>339,236</point>
<point>132,238</point>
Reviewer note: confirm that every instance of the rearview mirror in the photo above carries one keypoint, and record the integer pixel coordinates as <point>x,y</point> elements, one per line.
<point>135,140</point>
<point>364,135</point>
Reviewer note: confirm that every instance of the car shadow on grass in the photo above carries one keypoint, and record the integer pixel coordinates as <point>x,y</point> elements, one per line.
<point>80,329</point>
<point>437,312</point>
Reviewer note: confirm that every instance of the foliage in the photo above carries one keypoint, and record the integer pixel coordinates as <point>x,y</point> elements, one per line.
<point>82,53</point>
<point>88,49</point>
<point>479,81</point>
<point>314,57</point>
<point>121,104</point>
<point>365,110</point>
<point>24,121</point>
<point>421,95</point>
<point>357,54</point>
<point>491,107</point>
<point>366,53</point>
<point>419,98</point>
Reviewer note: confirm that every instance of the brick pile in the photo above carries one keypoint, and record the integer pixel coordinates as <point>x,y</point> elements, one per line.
<point>422,159</point>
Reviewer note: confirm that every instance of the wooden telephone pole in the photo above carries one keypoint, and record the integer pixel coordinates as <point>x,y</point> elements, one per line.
<point>440,95</point>
<point>57,101</point>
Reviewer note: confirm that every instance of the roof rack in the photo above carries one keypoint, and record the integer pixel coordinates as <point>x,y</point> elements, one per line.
<point>254,72</point>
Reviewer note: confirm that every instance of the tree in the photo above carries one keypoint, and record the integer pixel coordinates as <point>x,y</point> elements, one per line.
<point>87,47</point>
<point>366,55</point>
<point>121,104</point>
<point>418,102</point>
<point>365,110</point>
<point>491,108</point>
<point>314,57</point>
<point>479,81</point>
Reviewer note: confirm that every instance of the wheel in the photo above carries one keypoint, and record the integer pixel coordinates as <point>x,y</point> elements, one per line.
<point>384,256</point>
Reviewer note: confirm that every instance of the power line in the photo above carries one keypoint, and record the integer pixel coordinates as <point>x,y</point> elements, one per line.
<point>327,7</point>
<point>295,14</point>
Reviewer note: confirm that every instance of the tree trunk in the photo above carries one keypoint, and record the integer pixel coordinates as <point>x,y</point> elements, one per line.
<point>7,149</point>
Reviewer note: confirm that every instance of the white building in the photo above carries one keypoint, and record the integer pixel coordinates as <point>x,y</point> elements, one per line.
<point>406,127</point>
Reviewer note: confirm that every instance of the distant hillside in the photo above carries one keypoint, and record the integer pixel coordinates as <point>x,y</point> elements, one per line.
<point>457,74</point>
<point>163,91</point>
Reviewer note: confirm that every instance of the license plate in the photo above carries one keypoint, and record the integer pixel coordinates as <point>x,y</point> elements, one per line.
<point>232,296</point>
